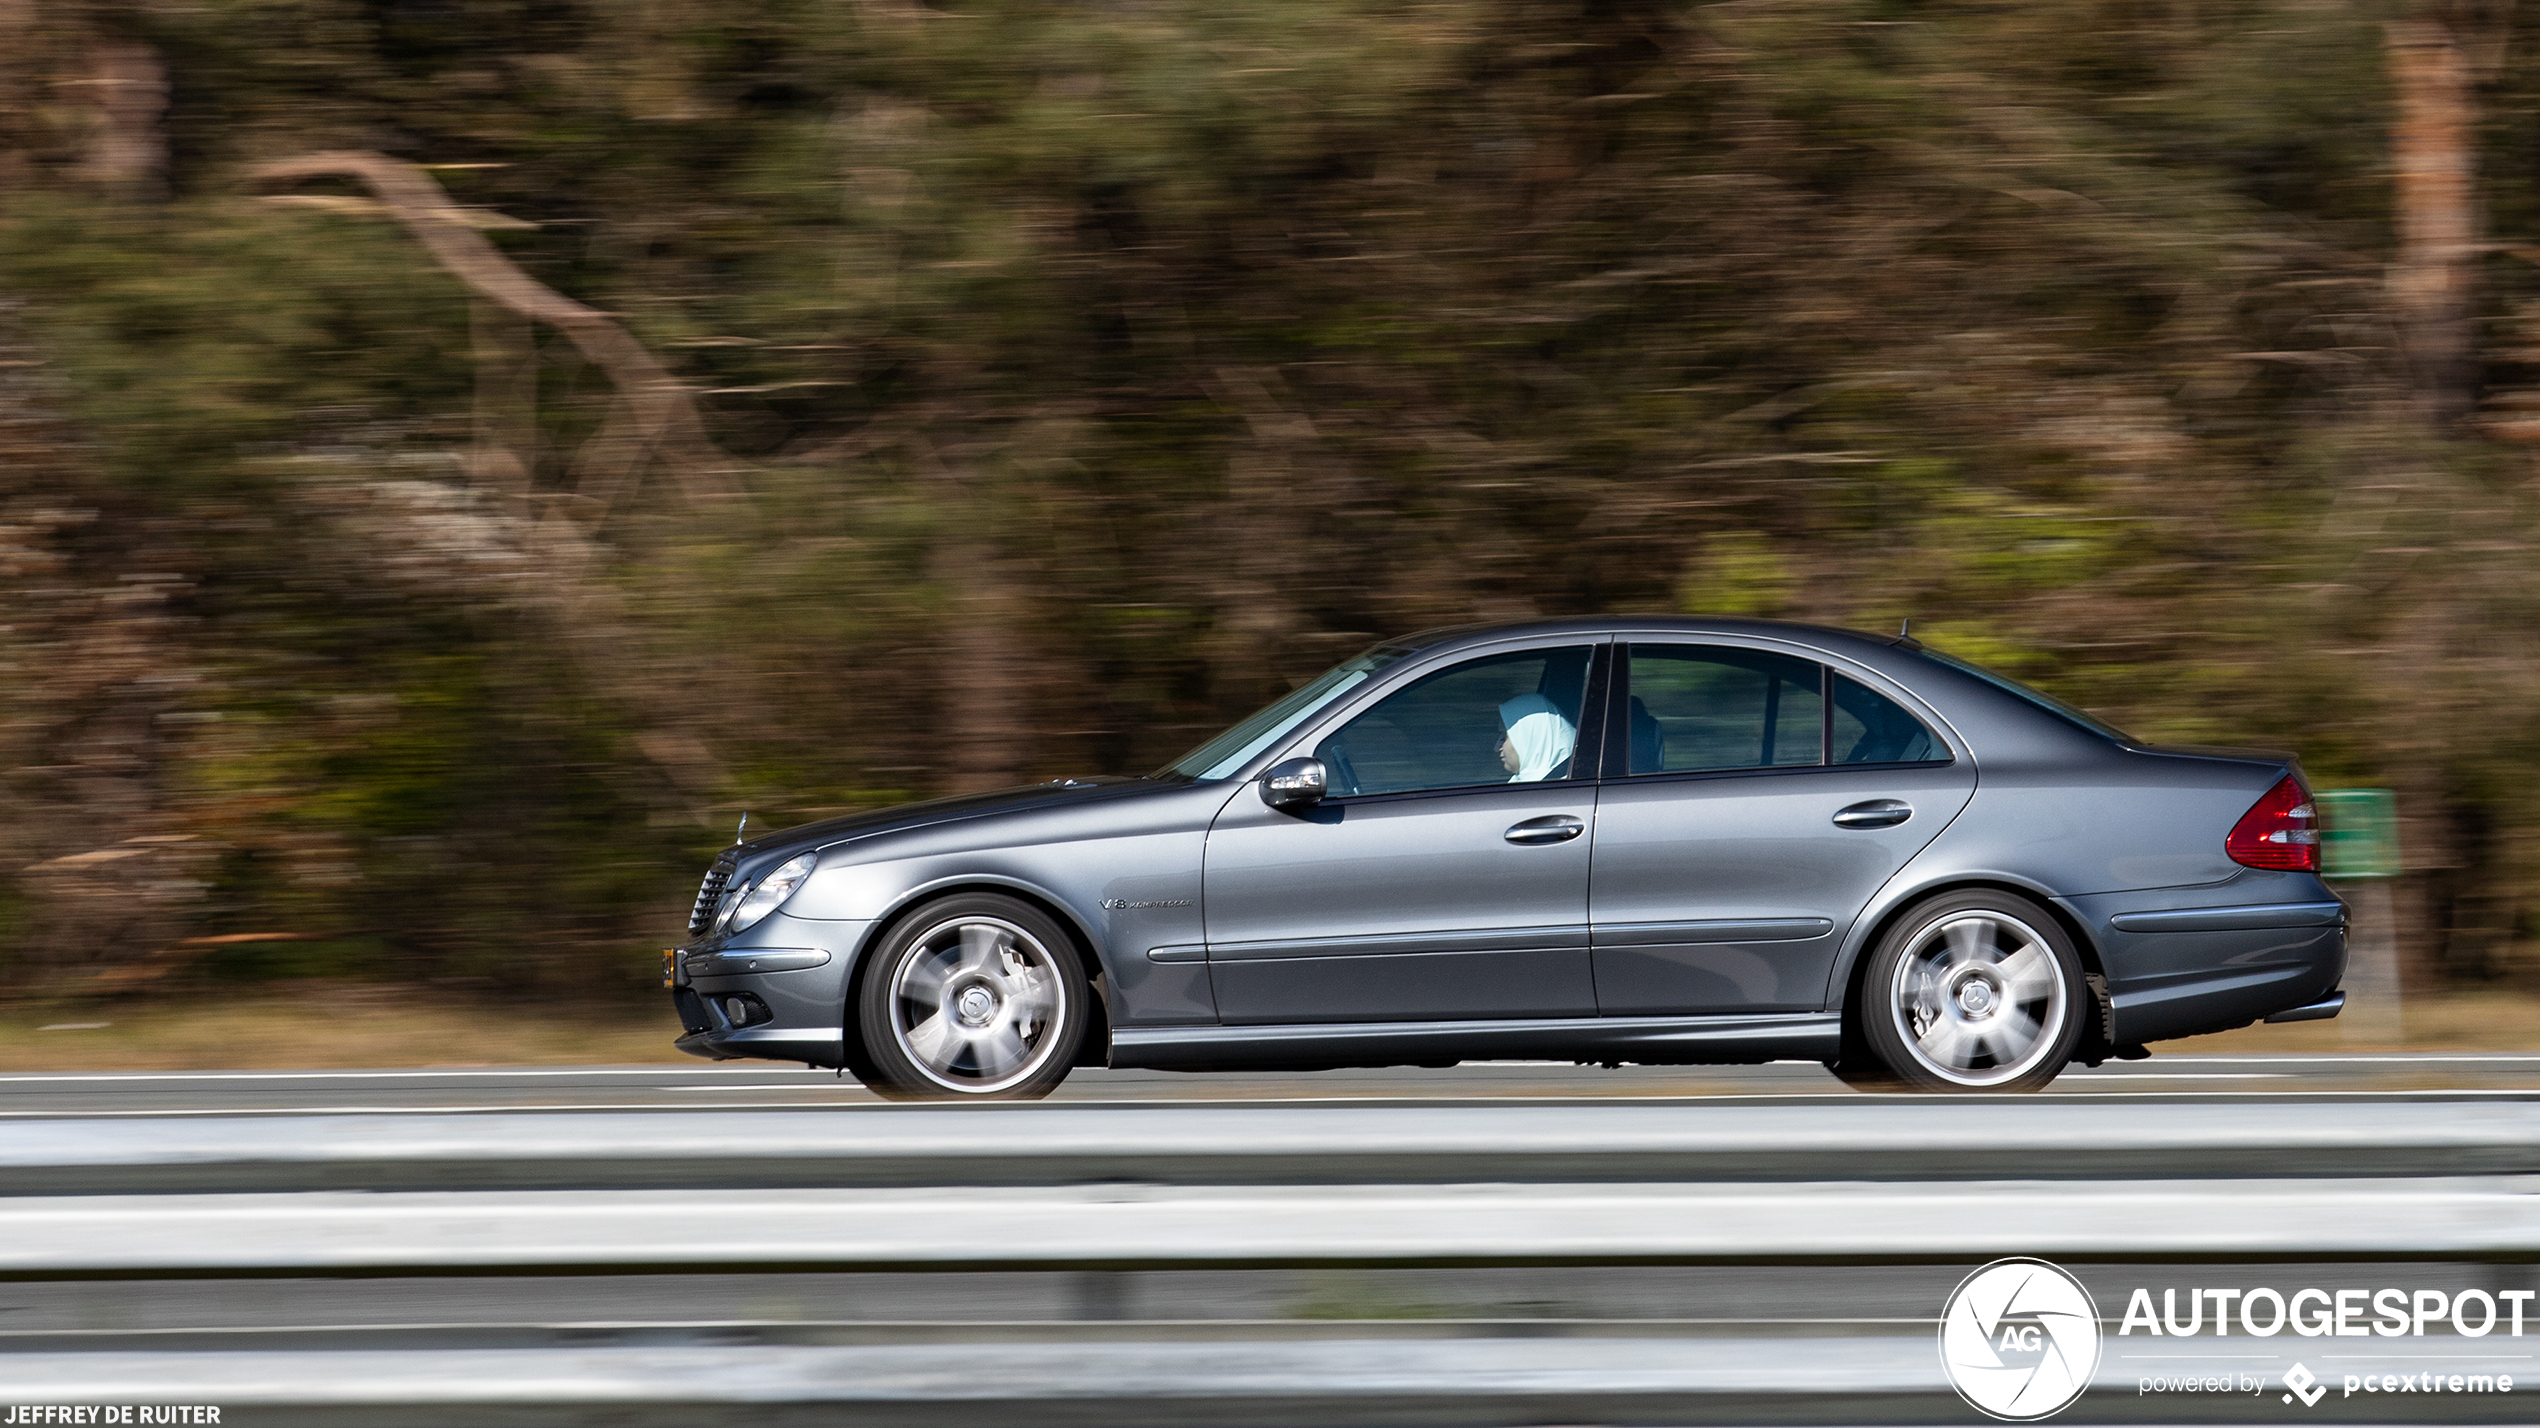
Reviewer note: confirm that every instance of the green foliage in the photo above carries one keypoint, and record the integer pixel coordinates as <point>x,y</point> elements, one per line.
<point>201,334</point>
<point>1736,573</point>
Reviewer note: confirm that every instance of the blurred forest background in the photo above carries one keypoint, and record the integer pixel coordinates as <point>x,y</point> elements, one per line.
<point>456,455</point>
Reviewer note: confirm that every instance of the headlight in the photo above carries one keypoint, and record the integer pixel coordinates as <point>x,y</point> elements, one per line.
<point>772,890</point>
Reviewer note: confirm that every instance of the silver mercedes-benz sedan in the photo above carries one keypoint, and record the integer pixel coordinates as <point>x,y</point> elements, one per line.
<point>1662,841</point>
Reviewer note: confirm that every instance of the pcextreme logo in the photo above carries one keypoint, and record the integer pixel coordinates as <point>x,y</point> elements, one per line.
<point>2020,1339</point>
<point>2305,1385</point>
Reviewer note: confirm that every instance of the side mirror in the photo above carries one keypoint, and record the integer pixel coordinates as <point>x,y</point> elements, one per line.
<point>1295,783</point>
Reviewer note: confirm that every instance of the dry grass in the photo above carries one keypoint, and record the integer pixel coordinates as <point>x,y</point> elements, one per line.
<point>332,1026</point>
<point>2442,1021</point>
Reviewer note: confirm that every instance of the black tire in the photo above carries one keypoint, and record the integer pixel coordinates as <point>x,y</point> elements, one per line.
<point>977,997</point>
<point>1973,991</point>
<point>1856,1069</point>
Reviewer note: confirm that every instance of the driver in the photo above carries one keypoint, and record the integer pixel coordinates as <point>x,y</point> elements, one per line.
<point>1538,740</point>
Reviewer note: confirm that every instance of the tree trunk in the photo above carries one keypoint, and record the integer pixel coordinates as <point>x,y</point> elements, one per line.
<point>664,410</point>
<point>127,87</point>
<point>2434,154</point>
<point>984,675</point>
<point>653,416</point>
<point>506,453</point>
<point>17,116</point>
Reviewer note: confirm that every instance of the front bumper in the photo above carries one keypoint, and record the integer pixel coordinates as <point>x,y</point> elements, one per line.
<point>782,1002</point>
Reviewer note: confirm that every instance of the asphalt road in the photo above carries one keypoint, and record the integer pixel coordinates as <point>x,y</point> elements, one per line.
<point>705,1086</point>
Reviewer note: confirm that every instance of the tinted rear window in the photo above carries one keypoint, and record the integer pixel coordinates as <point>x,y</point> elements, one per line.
<point>1870,728</point>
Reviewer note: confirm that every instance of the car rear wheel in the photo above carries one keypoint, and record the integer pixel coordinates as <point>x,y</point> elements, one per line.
<point>1973,991</point>
<point>978,997</point>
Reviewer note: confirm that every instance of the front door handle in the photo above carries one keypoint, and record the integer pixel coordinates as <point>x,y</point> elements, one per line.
<point>1877,813</point>
<point>1551,828</point>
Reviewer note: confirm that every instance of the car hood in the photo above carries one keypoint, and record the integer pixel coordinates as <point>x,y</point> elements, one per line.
<point>830,832</point>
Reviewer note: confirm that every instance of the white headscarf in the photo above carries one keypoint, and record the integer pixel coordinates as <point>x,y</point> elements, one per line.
<point>1541,736</point>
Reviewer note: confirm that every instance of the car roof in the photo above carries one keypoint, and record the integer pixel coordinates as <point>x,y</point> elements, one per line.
<point>1827,637</point>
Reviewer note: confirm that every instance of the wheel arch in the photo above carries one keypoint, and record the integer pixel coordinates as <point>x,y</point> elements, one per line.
<point>1097,1047</point>
<point>1856,961</point>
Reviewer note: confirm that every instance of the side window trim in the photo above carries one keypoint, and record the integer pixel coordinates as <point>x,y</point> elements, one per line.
<point>1587,760</point>
<point>1614,758</point>
<point>1826,676</point>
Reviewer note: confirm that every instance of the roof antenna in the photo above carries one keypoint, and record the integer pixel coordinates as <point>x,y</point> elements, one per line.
<point>1906,631</point>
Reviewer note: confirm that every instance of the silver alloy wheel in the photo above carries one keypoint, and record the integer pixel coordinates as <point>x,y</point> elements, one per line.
<point>976,1003</point>
<point>1979,998</point>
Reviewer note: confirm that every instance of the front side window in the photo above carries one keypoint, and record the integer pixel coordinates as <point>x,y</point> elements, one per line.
<point>1696,708</point>
<point>1511,718</point>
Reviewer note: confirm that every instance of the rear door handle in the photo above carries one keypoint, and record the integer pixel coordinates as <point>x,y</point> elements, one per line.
<point>1551,828</point>
<point>1877,813</point>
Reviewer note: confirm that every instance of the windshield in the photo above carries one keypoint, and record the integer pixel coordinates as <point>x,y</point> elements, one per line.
<point>2047,702</point>
<point>1233,749</point>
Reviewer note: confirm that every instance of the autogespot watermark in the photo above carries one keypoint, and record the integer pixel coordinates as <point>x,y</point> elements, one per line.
<point>2317,1313</point>
<point>2021,1339</point>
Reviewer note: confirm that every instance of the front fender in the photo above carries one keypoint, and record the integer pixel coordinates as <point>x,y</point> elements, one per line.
<point>945,884</point>
<point>1120,896</point>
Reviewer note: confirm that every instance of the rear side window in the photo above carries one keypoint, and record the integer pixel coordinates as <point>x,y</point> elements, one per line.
<point>1870,728</point>
<point>1704,707</point>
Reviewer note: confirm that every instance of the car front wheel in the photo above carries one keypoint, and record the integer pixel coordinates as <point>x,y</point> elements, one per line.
<point>1973,991</point>
<point>978,997</point>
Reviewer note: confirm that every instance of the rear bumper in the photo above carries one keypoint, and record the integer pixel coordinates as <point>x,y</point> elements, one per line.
<point>2321,1010</point>
<point>2185,961</point>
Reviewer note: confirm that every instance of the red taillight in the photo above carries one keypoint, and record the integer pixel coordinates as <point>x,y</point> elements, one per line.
<point>2280,831</point>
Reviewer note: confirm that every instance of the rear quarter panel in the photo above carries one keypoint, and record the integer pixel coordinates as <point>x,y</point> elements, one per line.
<point>2288,949</point>
<point>2096,829</point>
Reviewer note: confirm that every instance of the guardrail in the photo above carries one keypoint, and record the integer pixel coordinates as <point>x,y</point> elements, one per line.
<point>1856,1379</point>
<point>1234,1384</point>
<point>1132,1226</point>
<point>1064,1190</point>
<point>1901,1139</point>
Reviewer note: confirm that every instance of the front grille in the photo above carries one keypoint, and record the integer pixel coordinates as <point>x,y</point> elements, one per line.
<point>701,916</point>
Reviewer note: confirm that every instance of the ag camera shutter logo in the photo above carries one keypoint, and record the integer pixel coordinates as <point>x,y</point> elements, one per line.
<point>2020,1339</point>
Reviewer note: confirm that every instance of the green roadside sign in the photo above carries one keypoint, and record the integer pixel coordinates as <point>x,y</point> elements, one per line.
<point>2359,833</point>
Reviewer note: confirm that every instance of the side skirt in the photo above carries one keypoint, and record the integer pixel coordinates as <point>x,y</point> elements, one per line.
<point>1644,1040</point>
